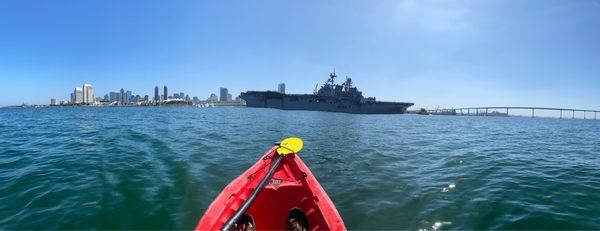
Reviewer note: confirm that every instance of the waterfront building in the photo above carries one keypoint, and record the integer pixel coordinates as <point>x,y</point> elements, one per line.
<point>181,95</point>
<point>213,98</point>
<point>146,99</point>
<point>118,98</point>
<point>106,99</point>
<point>281,88</point>
<point>122,96</point>
<point>128,97</point>
<point>88,94</point>
<point>196,100</point>
<point>187,98</point>
<point>78,95</point>
<point>156,95</point>
<point>229,98</point>
<point>176,95</point>
<point>165,93</point>
<point>72,98</point>
<point>52,102</point>
<point>239,101</point>
<point>223,96</point>
<point>113,96</point>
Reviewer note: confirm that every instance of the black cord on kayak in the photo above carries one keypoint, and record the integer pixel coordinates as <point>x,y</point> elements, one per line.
<point>233,219</point>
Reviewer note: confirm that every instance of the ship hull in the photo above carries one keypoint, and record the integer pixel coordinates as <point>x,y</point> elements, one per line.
<point>269,99</point>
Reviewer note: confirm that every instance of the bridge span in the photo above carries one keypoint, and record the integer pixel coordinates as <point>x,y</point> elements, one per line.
<point>484,111</point>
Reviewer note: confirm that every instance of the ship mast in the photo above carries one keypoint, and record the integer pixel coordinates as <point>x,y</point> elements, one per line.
<point>332,77</point>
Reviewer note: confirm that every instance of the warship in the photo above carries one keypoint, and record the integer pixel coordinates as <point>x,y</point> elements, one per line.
<point>330,97</point>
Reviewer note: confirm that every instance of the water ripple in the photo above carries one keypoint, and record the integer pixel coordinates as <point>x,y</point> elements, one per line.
<point>160,167</point>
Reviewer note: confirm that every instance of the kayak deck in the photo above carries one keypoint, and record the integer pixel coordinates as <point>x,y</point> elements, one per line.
<point>292,186</point>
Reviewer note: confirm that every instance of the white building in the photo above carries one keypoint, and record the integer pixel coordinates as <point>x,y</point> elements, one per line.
<point>78,95</point>
<point>88,94</point>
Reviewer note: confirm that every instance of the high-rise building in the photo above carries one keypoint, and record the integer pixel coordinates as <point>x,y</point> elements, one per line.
<point>106,99</point>
<point>156,96</point>
<point>229,99</point>
<point>118,98</point>
<point>223,96</point>
<point>122,96</point>
<point>176,95</point>
<point>281,88</point>
<point>113,96</point>
<point>88,94</point>
<point>165,93</point>
<point>181,95</point>
<point>146,98</point>
<point>72,97</point>
<point>128,97</point>
<point>78,93</point>
<point>53,102</point>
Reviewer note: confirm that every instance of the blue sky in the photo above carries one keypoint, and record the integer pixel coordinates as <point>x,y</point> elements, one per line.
<point>432,53</point>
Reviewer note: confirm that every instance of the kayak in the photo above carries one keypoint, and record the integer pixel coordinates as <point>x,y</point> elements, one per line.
<point>291,195</point>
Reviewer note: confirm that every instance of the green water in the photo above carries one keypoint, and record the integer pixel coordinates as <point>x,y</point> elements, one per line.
<point>160,167</point>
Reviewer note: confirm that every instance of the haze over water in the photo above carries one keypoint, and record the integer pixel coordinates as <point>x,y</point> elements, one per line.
<point>160,167</point>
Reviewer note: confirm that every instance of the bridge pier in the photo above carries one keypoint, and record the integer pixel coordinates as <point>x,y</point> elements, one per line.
<point>506,111</point>
<point>560,114</point>
<point>486,112</point>
<point>573,114</point>
<point>583,114</point>
<point>532,113</point>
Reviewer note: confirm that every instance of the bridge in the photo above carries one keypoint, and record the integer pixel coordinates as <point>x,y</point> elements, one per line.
<point>484,111</point>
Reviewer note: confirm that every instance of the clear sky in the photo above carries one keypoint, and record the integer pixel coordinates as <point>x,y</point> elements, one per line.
<point>432,53</point>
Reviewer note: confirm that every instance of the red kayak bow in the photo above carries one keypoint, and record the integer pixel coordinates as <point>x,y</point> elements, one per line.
<point>292,189</point>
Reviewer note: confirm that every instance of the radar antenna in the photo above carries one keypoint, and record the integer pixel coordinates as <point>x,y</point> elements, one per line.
<point>332,77</point>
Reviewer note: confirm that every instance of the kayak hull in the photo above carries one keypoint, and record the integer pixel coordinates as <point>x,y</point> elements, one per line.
<point>292,186</point>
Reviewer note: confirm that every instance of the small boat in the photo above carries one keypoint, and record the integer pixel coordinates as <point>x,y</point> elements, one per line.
<point>278,192</point>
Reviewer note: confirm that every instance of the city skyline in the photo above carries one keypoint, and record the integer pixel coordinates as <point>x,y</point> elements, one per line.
<point>85,96</point>
<point>435,54</point>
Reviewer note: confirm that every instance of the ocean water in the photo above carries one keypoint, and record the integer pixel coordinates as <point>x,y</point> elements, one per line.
<point>160,167</point>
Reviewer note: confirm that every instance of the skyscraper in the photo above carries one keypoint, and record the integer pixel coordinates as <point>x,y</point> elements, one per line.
<point>78,93</point>
<point>128,97</point>
<point>88,94</point>
<point>223,96</point>
<point>165,93</point>
<point>122,96</point>
<point>113,96</point>
<point>281,88</point>
<point>156,96</point>
<point>53,102</point>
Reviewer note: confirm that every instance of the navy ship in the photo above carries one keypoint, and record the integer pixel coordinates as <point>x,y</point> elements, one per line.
<point>330,97</point>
